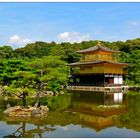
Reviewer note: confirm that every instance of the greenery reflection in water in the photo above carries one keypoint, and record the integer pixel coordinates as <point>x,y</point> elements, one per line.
<point>87,111</point>
<point>131,119</point>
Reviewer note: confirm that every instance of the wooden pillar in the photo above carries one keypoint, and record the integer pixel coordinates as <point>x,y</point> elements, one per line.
<point>104,79</point>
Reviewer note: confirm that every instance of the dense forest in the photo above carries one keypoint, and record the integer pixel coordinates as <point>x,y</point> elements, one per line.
<point>42,66</point>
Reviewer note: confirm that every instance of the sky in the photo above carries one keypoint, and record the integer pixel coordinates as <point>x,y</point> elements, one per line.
<point>22,23</point>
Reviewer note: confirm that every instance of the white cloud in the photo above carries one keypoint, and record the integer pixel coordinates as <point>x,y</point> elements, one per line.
<point>73,37</point>
<point>64,35</point>
<point>133,23</point>
<point>65,128</point>
<point>16,40</point>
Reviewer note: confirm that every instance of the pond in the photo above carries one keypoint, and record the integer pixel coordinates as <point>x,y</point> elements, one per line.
<point>81,115</point>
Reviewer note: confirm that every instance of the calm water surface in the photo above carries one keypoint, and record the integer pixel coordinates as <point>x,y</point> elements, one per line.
<point>83,114</point>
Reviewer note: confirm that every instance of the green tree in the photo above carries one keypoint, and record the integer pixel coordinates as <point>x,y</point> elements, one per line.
<point>8,67</point>
<point>52,72</point>
<point>6,52</point>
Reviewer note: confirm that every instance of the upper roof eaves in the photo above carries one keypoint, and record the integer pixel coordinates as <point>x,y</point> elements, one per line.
<point>96,48</point>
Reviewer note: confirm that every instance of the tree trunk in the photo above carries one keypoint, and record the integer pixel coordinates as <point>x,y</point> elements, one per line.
<point>24,100</point>
<point>41,74</point>
<point>37,100</point>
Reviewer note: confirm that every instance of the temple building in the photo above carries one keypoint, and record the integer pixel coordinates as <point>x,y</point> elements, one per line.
<point>97,67</point>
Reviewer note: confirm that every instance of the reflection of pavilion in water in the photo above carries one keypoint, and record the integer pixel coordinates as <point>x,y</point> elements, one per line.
<point>97,110</point>
<point>94,110</point>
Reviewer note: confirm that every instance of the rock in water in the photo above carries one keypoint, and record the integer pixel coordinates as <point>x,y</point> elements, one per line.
<point>17,111</point>
<point>50,93</point>
<point>45,109</point>
<point>61,92</point>
<point>12,109</point>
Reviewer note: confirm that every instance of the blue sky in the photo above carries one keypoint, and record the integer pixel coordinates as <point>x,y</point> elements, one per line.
<point>21,23</point>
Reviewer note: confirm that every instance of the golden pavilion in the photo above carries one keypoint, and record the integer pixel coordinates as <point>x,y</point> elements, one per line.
<point>97,67</point>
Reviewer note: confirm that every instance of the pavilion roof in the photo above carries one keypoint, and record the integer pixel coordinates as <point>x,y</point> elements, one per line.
<point>96,48</point>
<point>95,62</point>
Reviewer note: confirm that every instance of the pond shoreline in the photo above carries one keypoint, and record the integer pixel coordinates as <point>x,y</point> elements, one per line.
<point>134,88</point>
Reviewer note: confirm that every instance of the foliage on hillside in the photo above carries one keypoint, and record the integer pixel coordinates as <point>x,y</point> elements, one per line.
<point>42,65</point>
